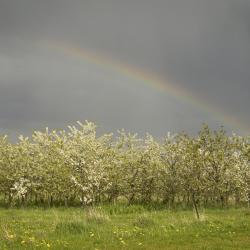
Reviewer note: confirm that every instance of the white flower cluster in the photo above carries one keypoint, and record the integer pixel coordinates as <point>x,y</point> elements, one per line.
<point>75,166</point>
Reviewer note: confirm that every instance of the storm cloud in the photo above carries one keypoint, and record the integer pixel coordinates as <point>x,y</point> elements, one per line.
<point>202,46</point>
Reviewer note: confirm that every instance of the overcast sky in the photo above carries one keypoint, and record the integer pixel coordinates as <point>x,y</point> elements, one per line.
<point>201,46</point>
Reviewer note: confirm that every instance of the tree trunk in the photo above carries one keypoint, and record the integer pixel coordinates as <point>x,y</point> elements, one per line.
<point>195,207</point>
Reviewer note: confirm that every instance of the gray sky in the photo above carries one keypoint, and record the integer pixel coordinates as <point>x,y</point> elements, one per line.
<point>201,46</point>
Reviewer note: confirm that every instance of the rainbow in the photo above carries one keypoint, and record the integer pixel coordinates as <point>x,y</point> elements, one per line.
<point>149,79</point>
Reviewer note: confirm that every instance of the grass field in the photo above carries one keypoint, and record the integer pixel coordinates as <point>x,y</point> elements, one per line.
<point>123,227</point>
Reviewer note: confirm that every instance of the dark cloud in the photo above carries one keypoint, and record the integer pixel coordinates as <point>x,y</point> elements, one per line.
<point>200,45</point>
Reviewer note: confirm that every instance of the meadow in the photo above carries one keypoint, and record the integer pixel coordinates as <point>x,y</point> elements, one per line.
<point>124,227</point>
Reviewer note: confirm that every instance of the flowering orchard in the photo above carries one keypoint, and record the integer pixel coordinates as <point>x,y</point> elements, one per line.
<point>76,166</point>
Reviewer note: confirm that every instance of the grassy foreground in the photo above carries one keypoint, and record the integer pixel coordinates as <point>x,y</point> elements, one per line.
<point>123,227</point>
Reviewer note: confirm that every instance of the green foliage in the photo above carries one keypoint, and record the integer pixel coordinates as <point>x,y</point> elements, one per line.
<point>143,221</point>
<point>68,228</point>
<point>72,227</point>
<point>96,216</point>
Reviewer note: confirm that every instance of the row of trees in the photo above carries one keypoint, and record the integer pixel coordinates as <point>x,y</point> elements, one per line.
<point>77,166</point>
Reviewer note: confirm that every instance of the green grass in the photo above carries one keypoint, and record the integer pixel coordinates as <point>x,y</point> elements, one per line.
<point>123,227</point>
